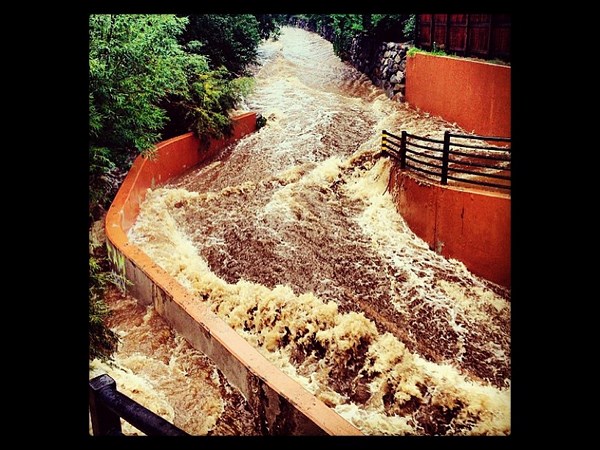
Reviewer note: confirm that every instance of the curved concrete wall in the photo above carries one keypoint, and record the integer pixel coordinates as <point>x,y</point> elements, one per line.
<point>282,406</point>
<point>465,224</point>
<point>476,95</point>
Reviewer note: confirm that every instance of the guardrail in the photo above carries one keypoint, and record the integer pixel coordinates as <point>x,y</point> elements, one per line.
<point>453,158</point>
<point>107,406</point>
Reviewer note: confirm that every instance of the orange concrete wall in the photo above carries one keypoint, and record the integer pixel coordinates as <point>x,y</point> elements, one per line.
<point>465,224</point>
<point>281,404</point>
<point>172,157</point>
<point>475,95</point>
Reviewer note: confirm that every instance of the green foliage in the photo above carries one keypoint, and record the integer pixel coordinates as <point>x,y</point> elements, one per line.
<point>144,86</point>
<point>205,107</point>
<point>212,96</point>
<point>102,340</point>
<point>413,51</point>
<point>134,61</point>
<point>436,51</point>
<point>313,21</point>
<point>269,25</point>
<point>101,167</point>
<point>345,27</point>
<point>410,25</point>
<point>228,40</point>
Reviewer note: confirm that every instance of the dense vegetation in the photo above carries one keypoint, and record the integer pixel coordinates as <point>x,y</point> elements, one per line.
<point>341,29</point>
<point>152,77</point>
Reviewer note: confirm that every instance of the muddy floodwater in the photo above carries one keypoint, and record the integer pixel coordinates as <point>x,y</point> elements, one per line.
<point>291,237</point>
<point>157,368</point>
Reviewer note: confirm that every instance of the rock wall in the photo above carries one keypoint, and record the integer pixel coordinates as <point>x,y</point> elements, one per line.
<point>383,62</point>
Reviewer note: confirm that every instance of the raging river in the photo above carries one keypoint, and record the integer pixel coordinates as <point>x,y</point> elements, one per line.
<point>292,239</point>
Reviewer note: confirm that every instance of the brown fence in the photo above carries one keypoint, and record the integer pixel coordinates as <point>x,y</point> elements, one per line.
<point>457,158</point>
<point>485,36</point>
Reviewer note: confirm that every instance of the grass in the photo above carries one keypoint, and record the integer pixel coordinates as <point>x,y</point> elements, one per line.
<point>438,52</point>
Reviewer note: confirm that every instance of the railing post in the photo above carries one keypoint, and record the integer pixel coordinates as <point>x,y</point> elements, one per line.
<point>403,150</point>
<point>107,406</point>
<point>104,421</point>
<point>383,133</point>
<point>445,157</point>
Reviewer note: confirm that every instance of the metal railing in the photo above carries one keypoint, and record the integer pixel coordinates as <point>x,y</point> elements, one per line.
<point>454,158</point>
<point>107,406</point>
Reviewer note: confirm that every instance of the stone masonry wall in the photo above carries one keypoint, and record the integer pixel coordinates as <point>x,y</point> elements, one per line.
<point>383,62</point>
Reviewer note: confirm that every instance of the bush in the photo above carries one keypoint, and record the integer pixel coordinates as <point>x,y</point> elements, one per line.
<point>229,40</point>
<point>205,107</point>
<point>269,25</point>
<point>145,86</point>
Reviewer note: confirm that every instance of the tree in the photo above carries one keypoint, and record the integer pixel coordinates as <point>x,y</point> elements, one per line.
<point>346,27</point>
<point>134,62</point>
<point>228,40</point>
<point>144,85</point>
<point>269,25</point>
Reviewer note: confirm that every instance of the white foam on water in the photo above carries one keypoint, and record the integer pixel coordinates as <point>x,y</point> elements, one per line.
<point>311,175</point>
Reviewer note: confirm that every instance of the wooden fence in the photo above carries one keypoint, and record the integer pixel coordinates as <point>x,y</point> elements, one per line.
<point>485,36</point>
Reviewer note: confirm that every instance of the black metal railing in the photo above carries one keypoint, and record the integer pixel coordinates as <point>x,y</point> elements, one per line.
<point>456,157</point>
<point>107,406</point>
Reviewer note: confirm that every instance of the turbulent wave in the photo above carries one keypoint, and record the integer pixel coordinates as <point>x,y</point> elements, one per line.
<point>291,238</point>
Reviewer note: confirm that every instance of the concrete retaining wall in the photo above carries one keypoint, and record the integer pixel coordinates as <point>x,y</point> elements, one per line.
<point>282,406</point>
<point>465,224</point>
<point>476,95</point>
